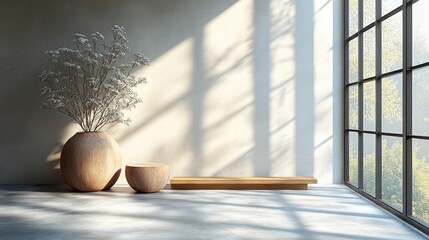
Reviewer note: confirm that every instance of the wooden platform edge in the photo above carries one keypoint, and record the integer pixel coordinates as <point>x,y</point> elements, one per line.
<point>244,183</point>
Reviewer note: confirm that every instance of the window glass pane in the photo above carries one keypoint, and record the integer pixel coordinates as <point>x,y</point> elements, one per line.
<point>420,32</point>
<point>391,170</point>
<point>368,12</point>
<point>353,60</point>
<point>421,179</point>
<point>369,106</point>
<point>353,158</point>
<point>391,104</point>
<point>353,16</point>
<point>353,107</point>
<point>369,53</point>
<point>391,43</point>
<point>420,101</point>
<point>388,5</point>
<point>369,163</point>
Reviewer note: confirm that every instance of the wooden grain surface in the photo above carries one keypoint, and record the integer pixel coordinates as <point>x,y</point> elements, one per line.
<point>243,183</point>
<point>91,161</point>
<point>147,177</point>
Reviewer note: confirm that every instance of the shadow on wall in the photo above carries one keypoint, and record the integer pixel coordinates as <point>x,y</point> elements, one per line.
<point>304,85</point>
<point>32,138</point>
<point>231,86</point>
<point>28,133</point>
<point>337,94</point>
<point>261,87</point>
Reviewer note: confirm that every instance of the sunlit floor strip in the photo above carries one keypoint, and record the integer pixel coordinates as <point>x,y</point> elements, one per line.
<point>322,212</point>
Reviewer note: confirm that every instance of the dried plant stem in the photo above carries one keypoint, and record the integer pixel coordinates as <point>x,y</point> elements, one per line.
<point>90,86</point>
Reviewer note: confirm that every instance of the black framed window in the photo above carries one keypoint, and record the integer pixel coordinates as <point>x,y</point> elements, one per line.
<point>386,86</point>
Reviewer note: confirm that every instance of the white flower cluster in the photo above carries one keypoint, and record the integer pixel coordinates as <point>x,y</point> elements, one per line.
<point>92,86</point>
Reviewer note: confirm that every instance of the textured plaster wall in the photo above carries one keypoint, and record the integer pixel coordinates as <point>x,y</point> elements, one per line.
<point>236,88</point>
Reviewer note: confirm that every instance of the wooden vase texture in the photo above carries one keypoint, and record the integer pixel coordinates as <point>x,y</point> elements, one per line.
<point>91,161</point>
<point>147,177</point>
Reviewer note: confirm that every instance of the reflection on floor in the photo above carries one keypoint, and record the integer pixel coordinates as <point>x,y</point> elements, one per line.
<point>322,212</point>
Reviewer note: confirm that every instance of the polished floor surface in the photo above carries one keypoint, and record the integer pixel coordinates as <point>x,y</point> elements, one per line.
<point>322,212</point>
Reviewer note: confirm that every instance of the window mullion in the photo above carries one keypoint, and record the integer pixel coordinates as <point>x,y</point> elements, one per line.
<point>360,93</point>
<point>346,95</point>
<point>407,109</point>
<point>378,140</point>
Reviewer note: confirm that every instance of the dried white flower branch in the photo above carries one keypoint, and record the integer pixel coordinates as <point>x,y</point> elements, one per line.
<point>92,87</point>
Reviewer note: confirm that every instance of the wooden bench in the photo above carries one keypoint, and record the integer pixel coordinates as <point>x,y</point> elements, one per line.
<point>241,183</point>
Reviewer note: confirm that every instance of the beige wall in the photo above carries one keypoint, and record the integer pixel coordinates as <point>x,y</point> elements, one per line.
<point>235,87</point>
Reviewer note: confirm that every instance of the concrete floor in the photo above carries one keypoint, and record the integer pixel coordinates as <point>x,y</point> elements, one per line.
<point>322,212</point>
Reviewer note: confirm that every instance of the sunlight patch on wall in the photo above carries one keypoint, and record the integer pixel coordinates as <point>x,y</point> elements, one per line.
<point>228,99</point>
<point>282,92</point>
<point>323,87</point>
<point>158,132</point>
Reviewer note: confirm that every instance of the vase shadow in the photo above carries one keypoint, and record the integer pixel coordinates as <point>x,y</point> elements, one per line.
<point>113,180</point>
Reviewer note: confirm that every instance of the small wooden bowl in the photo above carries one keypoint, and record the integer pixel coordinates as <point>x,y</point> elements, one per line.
<point>147,177</point>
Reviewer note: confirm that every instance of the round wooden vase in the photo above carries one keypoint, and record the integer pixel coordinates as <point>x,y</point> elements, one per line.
<point>91,161</point>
